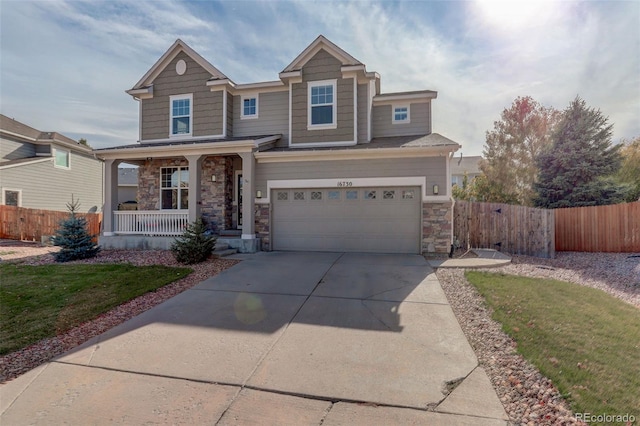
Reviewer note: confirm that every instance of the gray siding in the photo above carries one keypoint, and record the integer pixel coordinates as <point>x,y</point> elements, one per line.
<point>273,116</point>
<point>322,66</point>
<point>434,168</point>
<point>47,187</point>
<point>43,149</point>
<point>420,121</point>
<point>230,102</point>
<point>363,97</point>
<point>12,150</point>
<point>207,105</point>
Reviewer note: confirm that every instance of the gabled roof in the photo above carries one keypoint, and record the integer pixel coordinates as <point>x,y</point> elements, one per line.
<point>321,43</point>
<point>15,128</point>
<point>177,47</point>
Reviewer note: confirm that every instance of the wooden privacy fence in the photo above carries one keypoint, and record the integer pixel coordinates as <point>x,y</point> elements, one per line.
<point>504,227</point>
<point>19,223</point>
<point>613,228</point>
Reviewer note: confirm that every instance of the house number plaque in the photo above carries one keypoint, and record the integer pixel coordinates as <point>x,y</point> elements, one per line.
<point>344,183</point>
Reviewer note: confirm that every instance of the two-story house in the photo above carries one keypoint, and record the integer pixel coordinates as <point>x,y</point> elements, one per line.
<point>316,160</point>
<point>43,170</point>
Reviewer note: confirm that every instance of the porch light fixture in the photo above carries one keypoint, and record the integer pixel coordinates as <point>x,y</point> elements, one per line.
<point>258,194</point>
<point>435,189</point>
<point>213,178</point>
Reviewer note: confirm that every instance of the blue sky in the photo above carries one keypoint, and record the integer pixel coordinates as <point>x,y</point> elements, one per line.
<point>66,64</point>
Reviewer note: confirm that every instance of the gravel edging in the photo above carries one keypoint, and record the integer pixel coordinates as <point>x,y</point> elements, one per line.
<point>528,397</point>
<point>19,362</point>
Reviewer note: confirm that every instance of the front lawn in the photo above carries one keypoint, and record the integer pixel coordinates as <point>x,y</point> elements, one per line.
<point>41,301</point>
<point>586,341</point>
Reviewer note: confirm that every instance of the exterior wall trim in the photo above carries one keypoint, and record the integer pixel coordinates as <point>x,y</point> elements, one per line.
<point>420,181</point>
<point>26,163</point>
<point>355,154</point>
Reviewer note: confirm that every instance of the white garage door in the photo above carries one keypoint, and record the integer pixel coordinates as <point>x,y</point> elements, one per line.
<point>379,220</point>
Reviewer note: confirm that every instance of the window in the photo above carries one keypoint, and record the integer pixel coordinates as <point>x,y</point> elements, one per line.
<point>283,196</point>
<point>181,119</point>
<point>322,105</point>
<point>174,188</point>
<point>400,114</point>
<point>407,194</point>
<point>370,195</point>
<point>298,195</point>
<point>352,195</point>
<point>333,195</point>
<point>389,195</point>
<point>61,158</point>
<point>249,107</point>
<point>316,195</point>
<point>12,197</point>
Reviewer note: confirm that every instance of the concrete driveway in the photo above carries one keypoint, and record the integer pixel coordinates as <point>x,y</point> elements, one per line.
<point>281,338</point>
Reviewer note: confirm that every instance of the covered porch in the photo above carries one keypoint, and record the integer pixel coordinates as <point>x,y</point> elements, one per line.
<point>179,182</point>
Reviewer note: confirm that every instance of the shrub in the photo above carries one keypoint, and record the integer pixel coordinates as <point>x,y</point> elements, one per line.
<point>73,237</point>
<point>195,244</point>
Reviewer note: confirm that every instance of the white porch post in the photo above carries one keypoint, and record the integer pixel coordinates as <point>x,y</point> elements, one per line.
<point>248,194</point>
<point>195,173</point>
<point>110,195</point>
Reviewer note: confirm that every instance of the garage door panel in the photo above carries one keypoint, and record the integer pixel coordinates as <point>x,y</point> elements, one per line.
<point>381,220</point>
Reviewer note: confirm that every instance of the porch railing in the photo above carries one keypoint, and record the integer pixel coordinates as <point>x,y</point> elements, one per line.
<point>150,222</point>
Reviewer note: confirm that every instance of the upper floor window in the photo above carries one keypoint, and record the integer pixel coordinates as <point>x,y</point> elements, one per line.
<point>322,104</point>
<point>400,114</point>
<point>174,188</point>
<point>181,118</point>
<point>61,158</point>
<point>249,107</point>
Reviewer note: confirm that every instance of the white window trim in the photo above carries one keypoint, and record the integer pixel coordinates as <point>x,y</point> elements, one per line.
<point>393,114</point>
<point>55,158</point>
<point>180,168</point>
<point>242,114</point>
<point>334,124</point>
<point>191,115</point>
<point>19,191</point>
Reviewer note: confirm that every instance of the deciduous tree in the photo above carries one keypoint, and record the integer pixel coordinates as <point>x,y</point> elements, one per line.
<point>629,173</point>
<point>510,150</point>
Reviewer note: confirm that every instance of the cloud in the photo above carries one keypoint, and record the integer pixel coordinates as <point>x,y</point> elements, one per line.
<point>65,64</point>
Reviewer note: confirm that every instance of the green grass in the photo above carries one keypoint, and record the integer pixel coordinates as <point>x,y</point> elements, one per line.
<point>586,341</point>
<point>41,301</point>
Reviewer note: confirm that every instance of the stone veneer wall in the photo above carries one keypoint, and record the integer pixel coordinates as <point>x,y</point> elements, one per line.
<point>215,196</point>
<point>262,226</point>
<point>437,224</point>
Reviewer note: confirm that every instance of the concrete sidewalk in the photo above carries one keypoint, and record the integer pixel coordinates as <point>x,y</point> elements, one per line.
<point>280,338</point>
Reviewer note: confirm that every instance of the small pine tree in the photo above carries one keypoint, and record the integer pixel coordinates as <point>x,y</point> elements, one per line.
<point>73,237</point>
<point>195,244</point>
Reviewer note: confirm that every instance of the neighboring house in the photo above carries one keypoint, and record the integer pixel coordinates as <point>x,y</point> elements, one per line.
<point>317,160</point>
<point>465,165</point>
<point>42,170</point>
<point>127,184</point>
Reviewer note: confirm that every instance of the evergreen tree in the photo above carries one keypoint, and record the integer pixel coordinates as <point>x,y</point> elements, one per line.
<point>73,237</point>
<point>523,131</point>
<point>195,244</point>
<point>577,169</point>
